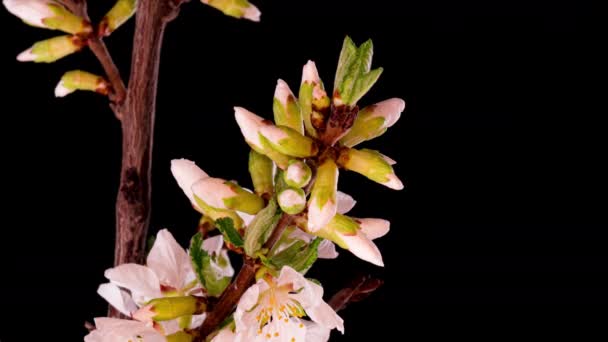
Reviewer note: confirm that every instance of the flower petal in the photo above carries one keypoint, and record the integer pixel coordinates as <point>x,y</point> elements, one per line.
<point>169,261</point>
<point>316,332</point>
<point>374,227</point>
<point>326,316</point>
<point>246,310</point>
<point>345,202</point>
<point>114,330</point>
<point>214,244</point>
<point>119,299</point>
<point>361,246</point>
<point>225,335</point>
<point>140,280</point>
<point>327,250</point>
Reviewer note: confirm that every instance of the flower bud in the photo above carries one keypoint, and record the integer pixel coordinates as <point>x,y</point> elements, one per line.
<point>370,164</point>
<point>186,173</point>
<point>347,233</point>
<point>52,49</point>
<point>261,170</point>
<point>222,194</point>
<point>168,308</point>
<point>250,125</point>
<point>313,98</point>
<point>292,200</point>
<point>372,121</point>
<point>297,174</point>
<point>235,8</point>
<point>47,14</point>
<point>286,109</point>
<point>120,13</point>
<point>323,202</point>
<point>288,141</point>
<point>81,80</point>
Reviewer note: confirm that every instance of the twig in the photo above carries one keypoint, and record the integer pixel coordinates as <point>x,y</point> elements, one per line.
<point>358,290</point>
<point>99,49</point>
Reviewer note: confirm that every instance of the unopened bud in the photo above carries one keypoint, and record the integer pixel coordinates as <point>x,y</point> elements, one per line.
<point>322,206</point>
<point>372,121</point>
<point>286,109</point>
<point>250,125</point>
<point>292,200</point>
<point>347,233</point>
<point>222,194</point>
<point>236,8</point>
<point>81,80</point>
<point>313,98</point>
<point>289,142</point>
<point>373,228</point>
<point>297,174</point>
<point>261,170</point>
<point>120,13</point>
<point>370,164</point>
<point>168,308</point>
<point>50,50</point>
<point>47,14</point>
<point>186,173</point>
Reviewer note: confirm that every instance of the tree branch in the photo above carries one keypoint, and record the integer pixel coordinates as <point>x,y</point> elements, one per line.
<point>99,49</point>
<point>361,287</point>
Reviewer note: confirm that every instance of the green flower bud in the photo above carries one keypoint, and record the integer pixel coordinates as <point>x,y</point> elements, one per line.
<point>292,200</point>
<point>286,109</point>
<point>168,308</point>
<point>314,101</point>
<point>372,121</point>
<point>370,164</point>
<point>222,194</point>
<point>48,14</point>
<point>52,49</point>
<point>81,80</point>
<point>323,206</point>
<point>297,174</point>
<point>261,169</point>
<point>216,214</point>
<point>289,142</point>
<point>235,8</point>
<point>119,14</point>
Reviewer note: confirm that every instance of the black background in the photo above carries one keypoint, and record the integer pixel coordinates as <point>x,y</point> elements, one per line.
<point>501,227</point>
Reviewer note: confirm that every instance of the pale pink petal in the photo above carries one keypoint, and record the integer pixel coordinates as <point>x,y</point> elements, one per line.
<point>327,250</point>
<point>118,298</point>
<point>363,247</point>
<point>345,202</point>
<point>316,332</point>
<point>119,330</point>
<point>374,228</point>
<point>169,260</point>
<point>140,280</point>
<point>324,315</point>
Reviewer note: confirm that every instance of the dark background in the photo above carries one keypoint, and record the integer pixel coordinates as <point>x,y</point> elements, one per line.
<point>502,226</point>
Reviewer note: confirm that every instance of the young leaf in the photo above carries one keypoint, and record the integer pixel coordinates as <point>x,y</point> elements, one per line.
<point>226,226</point>
<point>198,256</point>
<point>259,229</point>
<point>347,55</point>
<point>364,84</point>
<point>299,256</point>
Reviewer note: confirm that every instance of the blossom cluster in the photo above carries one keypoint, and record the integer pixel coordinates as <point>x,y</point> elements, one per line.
<point>292,216</point>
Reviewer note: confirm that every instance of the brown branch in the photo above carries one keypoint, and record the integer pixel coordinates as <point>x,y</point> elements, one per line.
<point>358,290</point>
<point>99,49</point>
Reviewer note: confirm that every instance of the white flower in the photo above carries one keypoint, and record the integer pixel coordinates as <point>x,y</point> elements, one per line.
<point>122,330</point>
<point>272,309</point>
<point>168,271</point>
<point>32,12</point>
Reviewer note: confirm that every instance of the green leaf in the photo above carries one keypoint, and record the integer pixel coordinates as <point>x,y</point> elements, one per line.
<point>347,55</point>
<point>198,256</point>
<point>226,226</point>
<point>364,84</point>
<point>260,227</point>
<point>300,256</point>
<point>205,266</point>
